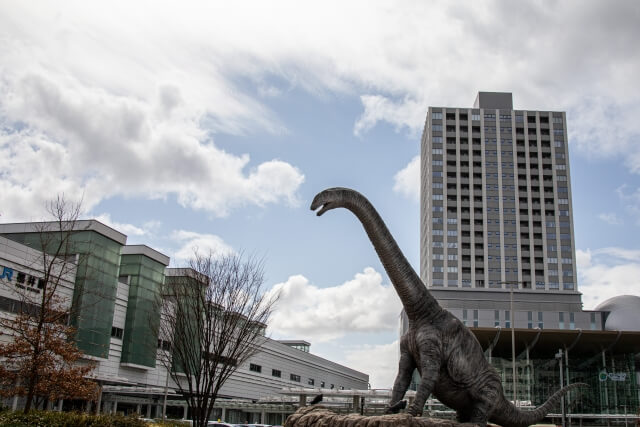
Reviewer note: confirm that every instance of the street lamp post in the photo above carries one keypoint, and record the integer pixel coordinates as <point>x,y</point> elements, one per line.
<point>513,341</point>
<point>564,415</point>
<point>513,348</point>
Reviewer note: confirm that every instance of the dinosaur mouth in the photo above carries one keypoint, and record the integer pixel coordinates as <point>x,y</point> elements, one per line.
<point>323,208</point>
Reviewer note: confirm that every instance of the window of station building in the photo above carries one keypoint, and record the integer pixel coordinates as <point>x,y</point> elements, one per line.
<point>496,315</point>
<point>294,377</point>
<point>322,384</point>
<point>561,320</point>
<point>436,115</point>
<point>464,317</point>
<point>475,318</point>
<point>572,321</point>
<point>276,373</point>
<point>540,322</point>
<point>529,319</point>
<point>117,332</point>
<point>255,368</point>
<point>593,321</point>
<point>311,381</point>
<point>507,319</point>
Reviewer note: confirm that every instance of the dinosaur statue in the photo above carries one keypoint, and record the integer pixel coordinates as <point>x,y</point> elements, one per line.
<point>447,355</point>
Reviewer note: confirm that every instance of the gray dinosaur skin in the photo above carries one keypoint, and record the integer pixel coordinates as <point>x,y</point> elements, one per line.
<point>447,355</point>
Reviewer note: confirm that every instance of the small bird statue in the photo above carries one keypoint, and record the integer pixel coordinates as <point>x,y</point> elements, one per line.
<point>316,400</point>
<point>397,407</point>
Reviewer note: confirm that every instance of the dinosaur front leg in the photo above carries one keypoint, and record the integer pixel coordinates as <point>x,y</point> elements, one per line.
<point>429,372</point>
<point>406,366</point>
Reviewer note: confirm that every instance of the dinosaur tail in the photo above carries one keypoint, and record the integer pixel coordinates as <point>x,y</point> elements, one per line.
<point>507,415</point>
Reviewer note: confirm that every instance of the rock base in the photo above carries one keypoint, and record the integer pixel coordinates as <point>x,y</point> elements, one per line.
<point>320,416</point>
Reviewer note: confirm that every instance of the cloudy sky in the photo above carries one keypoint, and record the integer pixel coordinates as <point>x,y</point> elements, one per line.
<point>213,126</point>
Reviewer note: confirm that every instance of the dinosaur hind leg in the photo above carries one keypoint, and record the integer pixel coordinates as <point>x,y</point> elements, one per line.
<point>463,416</point>
<point>485,400</point>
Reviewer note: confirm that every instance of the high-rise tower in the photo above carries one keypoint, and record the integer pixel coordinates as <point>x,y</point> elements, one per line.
<point>496,213</point>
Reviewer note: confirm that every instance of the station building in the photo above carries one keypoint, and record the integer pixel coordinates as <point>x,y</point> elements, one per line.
<point>119,284</point>
<point>497,249</point>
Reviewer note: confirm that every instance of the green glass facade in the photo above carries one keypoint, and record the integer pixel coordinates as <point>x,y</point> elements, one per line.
<point>95,286</point>
<point>613,386</point>
<point>187,321</point>
<point>146,277</point>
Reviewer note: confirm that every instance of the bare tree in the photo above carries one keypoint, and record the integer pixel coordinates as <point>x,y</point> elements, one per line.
<point>214,315</point>
<point>40,358</point>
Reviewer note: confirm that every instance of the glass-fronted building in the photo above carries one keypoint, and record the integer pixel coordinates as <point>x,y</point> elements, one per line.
<point>112,289</point>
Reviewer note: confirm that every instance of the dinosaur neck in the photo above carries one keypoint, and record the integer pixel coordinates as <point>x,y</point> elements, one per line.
<point>416,299</point>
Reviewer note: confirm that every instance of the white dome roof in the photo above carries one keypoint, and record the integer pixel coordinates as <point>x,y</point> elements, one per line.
<point>624,313</point>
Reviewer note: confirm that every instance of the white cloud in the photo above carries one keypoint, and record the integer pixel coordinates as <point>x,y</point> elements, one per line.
<point>607,272</point>
<point>610,218</point>
<point>379,361</point>
<point>203,243</point>
<point>122,99</point>
<point>362,304</point>
<point>407,180</point>
<point>403,114</point>
<point>128,229</point>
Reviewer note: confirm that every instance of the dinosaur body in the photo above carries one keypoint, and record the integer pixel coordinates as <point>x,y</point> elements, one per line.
<point>445,352</point>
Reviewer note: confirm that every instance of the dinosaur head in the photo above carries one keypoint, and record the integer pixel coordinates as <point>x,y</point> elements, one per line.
<point>330,198</point>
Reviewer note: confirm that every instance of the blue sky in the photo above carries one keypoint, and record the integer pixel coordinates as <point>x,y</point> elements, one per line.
<point>213,125</point>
